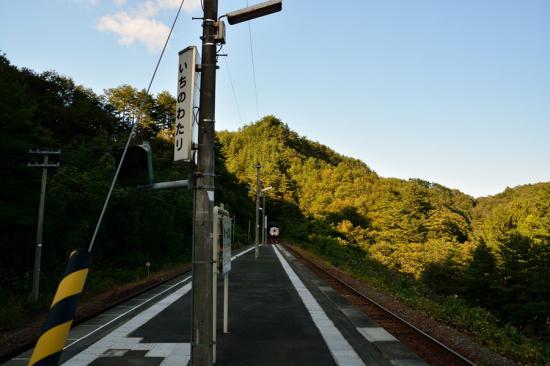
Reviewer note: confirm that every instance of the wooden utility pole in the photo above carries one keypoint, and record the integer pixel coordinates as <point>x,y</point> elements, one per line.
<point>201,338</point>
<point>40,226</point>
<point>202,307</point>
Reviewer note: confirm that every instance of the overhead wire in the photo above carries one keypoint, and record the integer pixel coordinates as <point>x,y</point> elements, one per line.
<point>233,89</point>
<point>253,66</point>
<point>135,123</point>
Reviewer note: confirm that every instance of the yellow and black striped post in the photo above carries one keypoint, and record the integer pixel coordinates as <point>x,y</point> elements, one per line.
<point>61,314</point>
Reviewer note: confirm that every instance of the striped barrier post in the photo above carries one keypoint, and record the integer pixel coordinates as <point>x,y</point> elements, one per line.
<point>47,351</point>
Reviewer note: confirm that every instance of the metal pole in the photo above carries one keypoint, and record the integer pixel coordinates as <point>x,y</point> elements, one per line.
<point>215,246</point>
<point>248,237</point>
<point>266,231</point>
<point>225,302</point>
<point>257,234</point>
<point>233,229</point>
<point>201,338</point>
<point>39,229</point>
<point>263,220</point>
<point>164,185</point>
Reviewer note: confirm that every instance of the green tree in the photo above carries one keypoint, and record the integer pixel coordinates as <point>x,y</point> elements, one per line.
<point>479,277</point>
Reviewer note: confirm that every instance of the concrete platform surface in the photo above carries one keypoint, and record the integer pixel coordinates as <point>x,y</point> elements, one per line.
<point>280,313</point>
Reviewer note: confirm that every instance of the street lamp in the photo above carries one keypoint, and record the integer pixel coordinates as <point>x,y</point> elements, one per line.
<point>264,222</point>
<point>254,11</point>
<point>257,227</point>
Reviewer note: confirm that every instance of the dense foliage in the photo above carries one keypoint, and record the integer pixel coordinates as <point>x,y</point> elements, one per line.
<point>49,111</point>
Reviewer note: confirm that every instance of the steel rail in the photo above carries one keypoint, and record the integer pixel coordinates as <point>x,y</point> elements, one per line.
<point>30,344</point>
<point>381,307</point>
<point>81,319</point>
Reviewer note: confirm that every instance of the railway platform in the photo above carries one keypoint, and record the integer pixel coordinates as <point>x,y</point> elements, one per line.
<point>280,313</point>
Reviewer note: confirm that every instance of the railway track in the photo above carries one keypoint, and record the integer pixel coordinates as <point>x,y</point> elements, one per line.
<point>425,346</point>
<point>108,304</point>
<point>89,314</point>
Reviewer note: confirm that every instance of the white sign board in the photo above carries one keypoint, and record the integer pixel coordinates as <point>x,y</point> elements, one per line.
<point>226,255</point>
<point>183,136</point>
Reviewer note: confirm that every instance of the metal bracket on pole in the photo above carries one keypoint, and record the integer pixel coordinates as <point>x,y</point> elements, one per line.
<point>199,174</point>
<point>45,152</point>
<point>165,185</point>
<point>38,165</point>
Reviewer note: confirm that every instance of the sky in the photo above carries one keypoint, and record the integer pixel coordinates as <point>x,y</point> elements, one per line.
<point>453,92</point>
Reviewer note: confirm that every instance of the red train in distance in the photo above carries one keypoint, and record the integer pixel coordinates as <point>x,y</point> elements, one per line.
<point>274,235</point>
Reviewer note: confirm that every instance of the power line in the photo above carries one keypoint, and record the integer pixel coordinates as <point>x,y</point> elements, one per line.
<point>233,89</point>
<point>253,67</point>
<point>132,132</point>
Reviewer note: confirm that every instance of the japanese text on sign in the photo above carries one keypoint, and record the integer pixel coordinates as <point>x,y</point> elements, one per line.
<point>184,104</point>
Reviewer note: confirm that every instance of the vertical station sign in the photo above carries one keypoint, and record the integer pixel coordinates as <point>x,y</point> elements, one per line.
<point>226,254</point>
<point>185,101</point>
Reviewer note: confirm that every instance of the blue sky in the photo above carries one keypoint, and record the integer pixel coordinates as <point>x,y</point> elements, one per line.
<point>455,92</point>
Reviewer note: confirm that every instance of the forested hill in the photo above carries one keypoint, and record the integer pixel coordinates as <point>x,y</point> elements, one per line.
<point>491,252</point>
<point>522,210</point>
<point>345,192</point>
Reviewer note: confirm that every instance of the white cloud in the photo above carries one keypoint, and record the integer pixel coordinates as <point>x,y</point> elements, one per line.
<point>188,5</point>
<point>131,29</point>
<point>86,2</point>
<point>139,25</point>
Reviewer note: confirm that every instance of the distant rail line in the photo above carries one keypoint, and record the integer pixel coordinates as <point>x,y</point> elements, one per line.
<point>425,346</point>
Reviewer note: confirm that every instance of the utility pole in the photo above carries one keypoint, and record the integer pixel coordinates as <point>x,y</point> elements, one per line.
<point>39,229</point>
<point>263,219</point>
<point>257,234</point>
<point>213,32</point>
<point>201,338</point>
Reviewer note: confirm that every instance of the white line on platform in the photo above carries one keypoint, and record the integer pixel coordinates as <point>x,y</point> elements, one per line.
<point>119,339</point>
<point>342,352</point>
<point>241,253</point>
<point>173,353</point>
<point>376,334</point>
<point>125,313</point>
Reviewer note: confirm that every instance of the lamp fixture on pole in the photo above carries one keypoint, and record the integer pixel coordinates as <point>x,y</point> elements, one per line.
<point>254,11</point>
